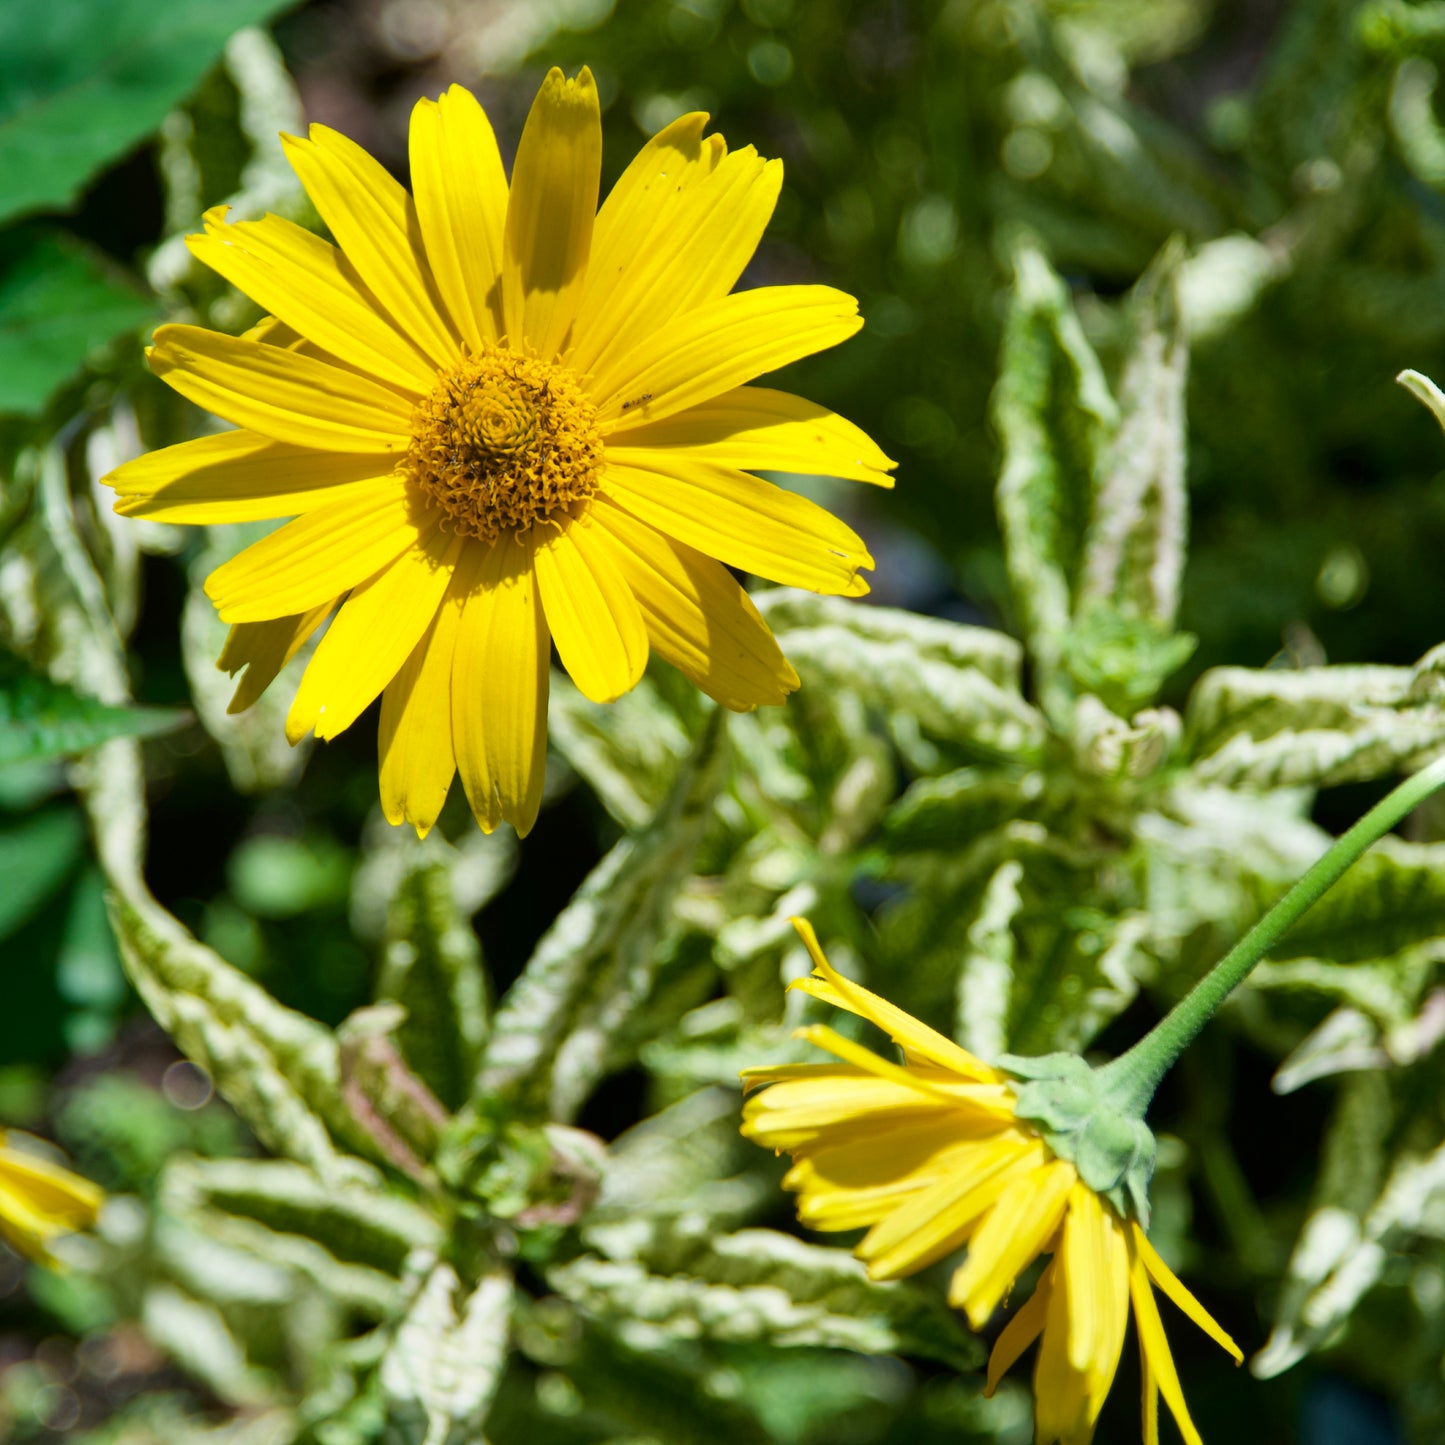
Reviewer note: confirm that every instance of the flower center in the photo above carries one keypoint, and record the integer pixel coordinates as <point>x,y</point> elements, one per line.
<point>503,441</point>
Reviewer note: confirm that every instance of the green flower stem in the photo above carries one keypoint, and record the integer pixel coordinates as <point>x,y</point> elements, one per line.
<point>1133,1077</point>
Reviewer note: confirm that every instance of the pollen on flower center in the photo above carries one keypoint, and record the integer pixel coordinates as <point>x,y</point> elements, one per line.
<point>503,441</point>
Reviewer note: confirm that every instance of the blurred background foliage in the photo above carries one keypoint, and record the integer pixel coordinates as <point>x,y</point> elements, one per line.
<point>423,1144</point>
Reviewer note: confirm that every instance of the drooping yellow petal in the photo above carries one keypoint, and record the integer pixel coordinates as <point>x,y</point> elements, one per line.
<point>1172,1286</point>
<point>461,203</point>
<point>375,223</point>
<point>860,1057</point>
<point>415,737</point>
<point>321,555</point>
<point>633,220</point>
<point>909,1033</point>
<point>1021,1331</point>
<point>372,636</point>
<point>715,347</point>
<point>710,232</point>
<point>595,620</point>
<point>264,648</point>
<point>938,1221</point>
<point>280,393</point>
<point>758,430</point>
<point>697,616</point>
<point>238,476</point>
<point>738,519</point>
<point>1112,1305</point>
<point>551,212</point>
<point>499,691</point>
<point>307,283</point>
<point>1160,1373</point>
<point>1015,1231</point>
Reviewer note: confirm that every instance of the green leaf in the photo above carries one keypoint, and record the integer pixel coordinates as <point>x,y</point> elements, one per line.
<point>1055,417</point>
<point>1134,551</point>
<point>986,973</point>
<point>1317,726</point>
<point>278,1069</point>
<point>758,1286</point>
<point>59,302</point>
<point>956,684</point>
<point>563,1023</point>
<point>629,751</point>
<point>446,1358</point>
<point>356,1222</point>
<point>44,719</point>
<point>81,81</point>
<point>432,966</point>
<point>37,854</point>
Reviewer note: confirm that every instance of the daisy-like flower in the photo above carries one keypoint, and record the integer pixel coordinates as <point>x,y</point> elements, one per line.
<point>503,419</point>
<point>40,1201</point>
<point>929,1156</point>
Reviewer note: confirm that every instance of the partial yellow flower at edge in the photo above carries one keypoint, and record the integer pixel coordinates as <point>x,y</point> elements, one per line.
<point>40,1201</point>
<point>929,1157</point>
<point>502,419</point>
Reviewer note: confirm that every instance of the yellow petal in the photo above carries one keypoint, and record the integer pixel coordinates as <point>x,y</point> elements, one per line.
<point>461,203</point>
<point>499,690</point>
<point>321,555</point>
<point>941,1219</point>
<point>1015,1232</point>
<point>738,519</point>
<point>551,212</point>
<point>376,225</point>
<point>914,1037</point>
<point>1061,1390</point>
<point>372,637</point>
<point>833,1106</point>
<point>634,218</point>
<point>264,648</point>
<point>1020,1332</point>
<point>594,618</point>
<point>280,393</point>
<point>758,430</point>
<point>1160,1373</point>
<point>238,476</point>
<point>48,1189</point>
<point>701,240</point>
<point>860,1057</point>
<point>1172,1286</point>
<point>415,740</point>
<point>715,347</point>
<point>697,616</point>
<point>306,283</point>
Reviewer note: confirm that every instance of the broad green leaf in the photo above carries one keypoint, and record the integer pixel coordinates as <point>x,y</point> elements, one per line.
<point>44,719</point>
<point>37,854</point>
<point>59,302</point>
<point>81,81</point>
<point>1055,417</point>
<point>758,1286</point>
<point>432,966</point>
<point>956,808</point>
<point>196,1335</point>
<point>446,1357</point>
<point>563,1024</point>
<point>1134,551</point>
<point>278,1069</point>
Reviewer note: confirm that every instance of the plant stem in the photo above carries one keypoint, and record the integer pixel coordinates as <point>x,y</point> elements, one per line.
<point>1134,1076</point>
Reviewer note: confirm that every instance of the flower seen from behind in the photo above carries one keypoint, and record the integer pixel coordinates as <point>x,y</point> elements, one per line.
<point>929,1157</point>
<point>40,1201</point>
<point>505,419</point>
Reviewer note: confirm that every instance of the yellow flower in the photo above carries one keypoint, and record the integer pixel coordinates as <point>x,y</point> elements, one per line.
<point>929,1156</point>
<point>504,419</point>
<point>40,1201</point>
